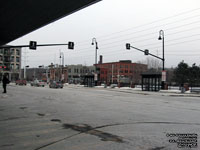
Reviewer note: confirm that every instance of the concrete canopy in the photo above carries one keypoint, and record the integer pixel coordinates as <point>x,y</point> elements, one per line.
<point>20,17</point>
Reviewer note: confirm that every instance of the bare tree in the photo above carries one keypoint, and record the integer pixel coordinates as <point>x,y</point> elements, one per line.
<point>153,63</point>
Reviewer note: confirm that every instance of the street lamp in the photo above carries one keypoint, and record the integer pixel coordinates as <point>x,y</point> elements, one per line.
<point>94,41</point>
<point>25,71</point>
<point>161,37</point>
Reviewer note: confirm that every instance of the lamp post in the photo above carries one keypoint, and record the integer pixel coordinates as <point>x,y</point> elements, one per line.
<point>161,37</point>
<point>61,66</point>
<point>25,71</point>
<point>94,41</point>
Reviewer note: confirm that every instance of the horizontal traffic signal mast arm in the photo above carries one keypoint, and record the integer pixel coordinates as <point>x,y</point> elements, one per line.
<point>28,45</point>
<point>148,53</point>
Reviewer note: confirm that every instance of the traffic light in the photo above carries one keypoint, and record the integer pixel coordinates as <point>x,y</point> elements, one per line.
<point>3,67</point>
<point>146,52</point>
<point>70,45</point>
<point>128,46</point>
<point>33,45</point>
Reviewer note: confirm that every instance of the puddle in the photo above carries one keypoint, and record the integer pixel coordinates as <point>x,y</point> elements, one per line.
<point>92,131</point>
<point>55,120</point>
<point>23,108</point>
<point>40,114</point>
<point>157,148</point>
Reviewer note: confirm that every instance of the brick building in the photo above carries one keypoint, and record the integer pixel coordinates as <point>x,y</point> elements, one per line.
<point>123,71</point>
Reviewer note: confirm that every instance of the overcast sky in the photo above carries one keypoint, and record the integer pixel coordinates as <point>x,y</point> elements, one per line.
<point>116,22</point>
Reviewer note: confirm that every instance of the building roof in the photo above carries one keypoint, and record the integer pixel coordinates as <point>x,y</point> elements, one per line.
<point>20,17</point>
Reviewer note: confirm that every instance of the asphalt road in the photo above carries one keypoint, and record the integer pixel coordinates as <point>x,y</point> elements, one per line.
<point>78,118</point>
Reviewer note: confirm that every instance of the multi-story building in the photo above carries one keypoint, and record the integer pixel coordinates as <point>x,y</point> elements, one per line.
<point>123,71</point>
<point>10,58</point>
<point>77,72</point>
<point>58,73</point>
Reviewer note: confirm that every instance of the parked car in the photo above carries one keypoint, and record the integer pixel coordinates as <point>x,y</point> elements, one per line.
<point>55,84</point>
<point>20,82</point>
<point>38,83</point>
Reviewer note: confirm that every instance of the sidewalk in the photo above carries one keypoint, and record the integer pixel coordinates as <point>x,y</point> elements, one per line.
<point>161,92</point>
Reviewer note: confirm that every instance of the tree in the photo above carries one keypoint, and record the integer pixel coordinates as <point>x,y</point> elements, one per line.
<point>194,75</point>
<point>181,73</point>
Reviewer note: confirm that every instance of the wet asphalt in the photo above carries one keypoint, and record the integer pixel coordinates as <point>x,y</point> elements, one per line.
<point>80,118</point>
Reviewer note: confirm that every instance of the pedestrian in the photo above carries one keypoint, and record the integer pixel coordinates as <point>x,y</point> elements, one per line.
<point>5,82</point>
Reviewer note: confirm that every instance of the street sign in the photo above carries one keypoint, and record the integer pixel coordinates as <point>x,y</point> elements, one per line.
<point>164,75</point>
<point>95,77</point>
<point>33,45</point>
<point>63,77</point>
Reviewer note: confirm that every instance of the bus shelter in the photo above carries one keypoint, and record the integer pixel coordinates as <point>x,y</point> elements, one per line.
<point>151,81</point>
<point>88,80</point>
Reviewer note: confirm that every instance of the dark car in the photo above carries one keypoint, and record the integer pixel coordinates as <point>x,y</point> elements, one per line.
<point>55,84</point>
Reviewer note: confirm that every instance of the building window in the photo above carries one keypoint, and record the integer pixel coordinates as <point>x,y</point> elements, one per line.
<point>6,59</point>
<point>1,51</point>
<point>17,66</point>
<point>12,66</point>
<point>17,59</point>
<point>69,70</point>
<point>1,58</point>
<point>17,52</point>
<point>12,51</point>
<point>126,71</point>
<point>12,58</point>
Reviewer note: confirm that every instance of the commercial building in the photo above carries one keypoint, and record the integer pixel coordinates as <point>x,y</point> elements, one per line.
<point>10,63</point>
<point>58,73</point>
<point>76,72</point>
<point>122,72</point>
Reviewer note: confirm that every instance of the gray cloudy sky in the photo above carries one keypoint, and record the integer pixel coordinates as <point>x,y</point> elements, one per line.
<point>116,22</point>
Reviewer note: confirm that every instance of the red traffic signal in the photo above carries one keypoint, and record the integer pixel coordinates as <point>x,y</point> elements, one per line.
<point>2,67</point>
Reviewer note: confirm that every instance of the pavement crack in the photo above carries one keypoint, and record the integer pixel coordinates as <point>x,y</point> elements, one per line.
<point>12,118</point>
<point>54,142</point>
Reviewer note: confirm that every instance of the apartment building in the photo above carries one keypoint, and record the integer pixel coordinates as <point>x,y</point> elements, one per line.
<point>10,63</point>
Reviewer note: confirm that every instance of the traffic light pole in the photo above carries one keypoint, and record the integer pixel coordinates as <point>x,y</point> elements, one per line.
<point>146,52</point>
